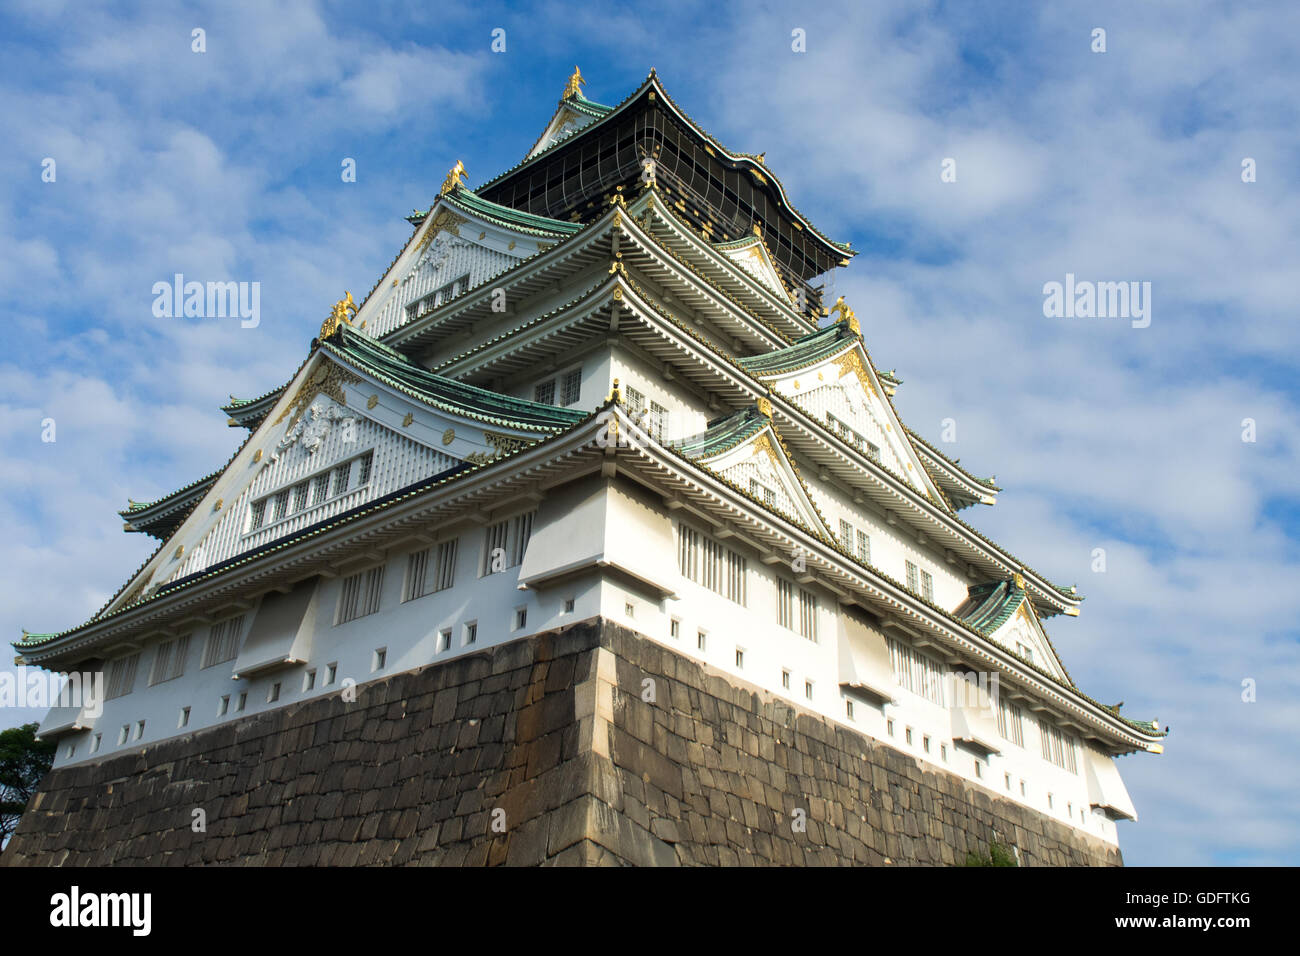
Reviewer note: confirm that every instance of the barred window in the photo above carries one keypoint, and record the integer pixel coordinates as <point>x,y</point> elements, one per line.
<point>864,547</point>
<point>762,492</point>
<point>658,421</point>
<point>785,603</point>
<point>363,472</point>
<point>808,614</point>
<point>916,672</point>
<point>494,548</point>
<point>360,594</point>
<point>281,505</point>
<point>707,562</point>
<point>873,452</point>
<point>258,515</point>
<point>445,573</point>
<point>635,401</point>
<point>300,492</point>
<point>121,676</point>
<point>169,660</point>
<point>911,576</point>
<point>223,641</point>
<point>846,534</point>
<point>1010,724</point>
<point>417,569</point>
<point>571,387</point>
<point>927,585</point>
<point>1057,747</point>
<point>341,473</point>
<point>545,392</point>
<point>320,487</point>
<point>521,531</point>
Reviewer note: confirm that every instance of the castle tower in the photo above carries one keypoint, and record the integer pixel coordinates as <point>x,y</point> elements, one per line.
<point>591,534</point>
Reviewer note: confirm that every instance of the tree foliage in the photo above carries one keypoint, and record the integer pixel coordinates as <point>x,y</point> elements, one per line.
<point>24,761</point>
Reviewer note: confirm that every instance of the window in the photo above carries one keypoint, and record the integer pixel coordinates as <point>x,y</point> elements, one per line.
<point>417,568</point>
<point>437,297</point>
<point>520,532</point>
<point>331,672</point>
<point>808,689</point>
<point>521,618</point>
<point>635,402</point>
<point>1007,778</point>
<point>309,680</point>
<point>979,769</point>
<point>1010,725</point>
<point>740,658</point>
<point>339,476</point>
<point>320,487</point>
<point>124,734</point>
<point>1022,788</point>
<point>273,694</point>
<point>889,727</point>
<point>706,562</point>
<point>658,421</point>
<point>808,614</point>
<point>185,717</point>
<point>223,707</point>
<point>568,606</point>
<point>927,586</point>
<point>943,752</point>
<point>846,535</point>
<point>505,543</point>
<point>848,709</point>
<point>444,640</point>
<point>785,603</point>
<point>762,493</point>
<point>864,547</point>
<point>445,573</point>
<point>916,672</point>
<point>1049,801</point>
<point>242,702</point>
<point>139,729</point>
<point>675,629</point>
<point>223,641</point>
<point>911,576</point>
<point>785,679</point>
<point>281,505</point>
<point>360,595</point>
<point>169,660</point>
<point>1025,651</point>
<point>925,742</point>
<point>571,387</point>
<point>121,676</point>
<point>545,393</point>
<point>363,468</point>
<point>257,515</point>
<point>873,452</point>
<point>300,494</point>
<point>379,660</point>
<point>96,742</point>
<point>701,639</point>
<point>471,632</point>
<point>629,610</point>
<point>1057,747</point>
<point>907,735</point>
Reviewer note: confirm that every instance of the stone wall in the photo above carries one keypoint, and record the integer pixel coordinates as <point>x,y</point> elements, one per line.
<point>541,751</point>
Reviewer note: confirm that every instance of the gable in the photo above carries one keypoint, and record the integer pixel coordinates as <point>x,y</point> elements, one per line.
<point>843,388</point>
<point>564,124</point>
<point>1024,629</point>
<point>758,466</point>
<point>338,437</point>
<point>751,256</point>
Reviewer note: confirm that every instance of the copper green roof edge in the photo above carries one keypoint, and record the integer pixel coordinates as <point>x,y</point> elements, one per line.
<point>460,398</point>
<point>516,219</point>
<point>806,350</point>
<point>199,486</point>
<point>237,404</point>
<point>840,246</point>
<point>591,106</point>
<point>983,482</point>
<point>412,490</point>
<point>891,377</point>
<point>992,603</point>
<point>723,435</point>
<point>1067,684</point>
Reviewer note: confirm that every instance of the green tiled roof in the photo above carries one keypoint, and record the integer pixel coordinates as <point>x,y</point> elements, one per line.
<point>468,201</point>
<point>194,490</point>
<point>806,350</point>
<point>990,605</point>
<point>723,434</point>
<point>395,369</point>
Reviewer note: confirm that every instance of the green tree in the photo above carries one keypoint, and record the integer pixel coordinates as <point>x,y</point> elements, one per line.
<point>999,855</point>
<point>24,761</point>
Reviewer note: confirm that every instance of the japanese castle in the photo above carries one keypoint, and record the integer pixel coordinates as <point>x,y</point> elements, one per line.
<point>604,384</point>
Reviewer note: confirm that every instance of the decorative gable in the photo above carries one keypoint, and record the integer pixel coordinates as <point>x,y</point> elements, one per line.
<point>1001,611</point>
<point>751,255</point>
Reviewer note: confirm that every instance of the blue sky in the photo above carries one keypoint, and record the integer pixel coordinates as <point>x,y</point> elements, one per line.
<point>1123,165</point>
